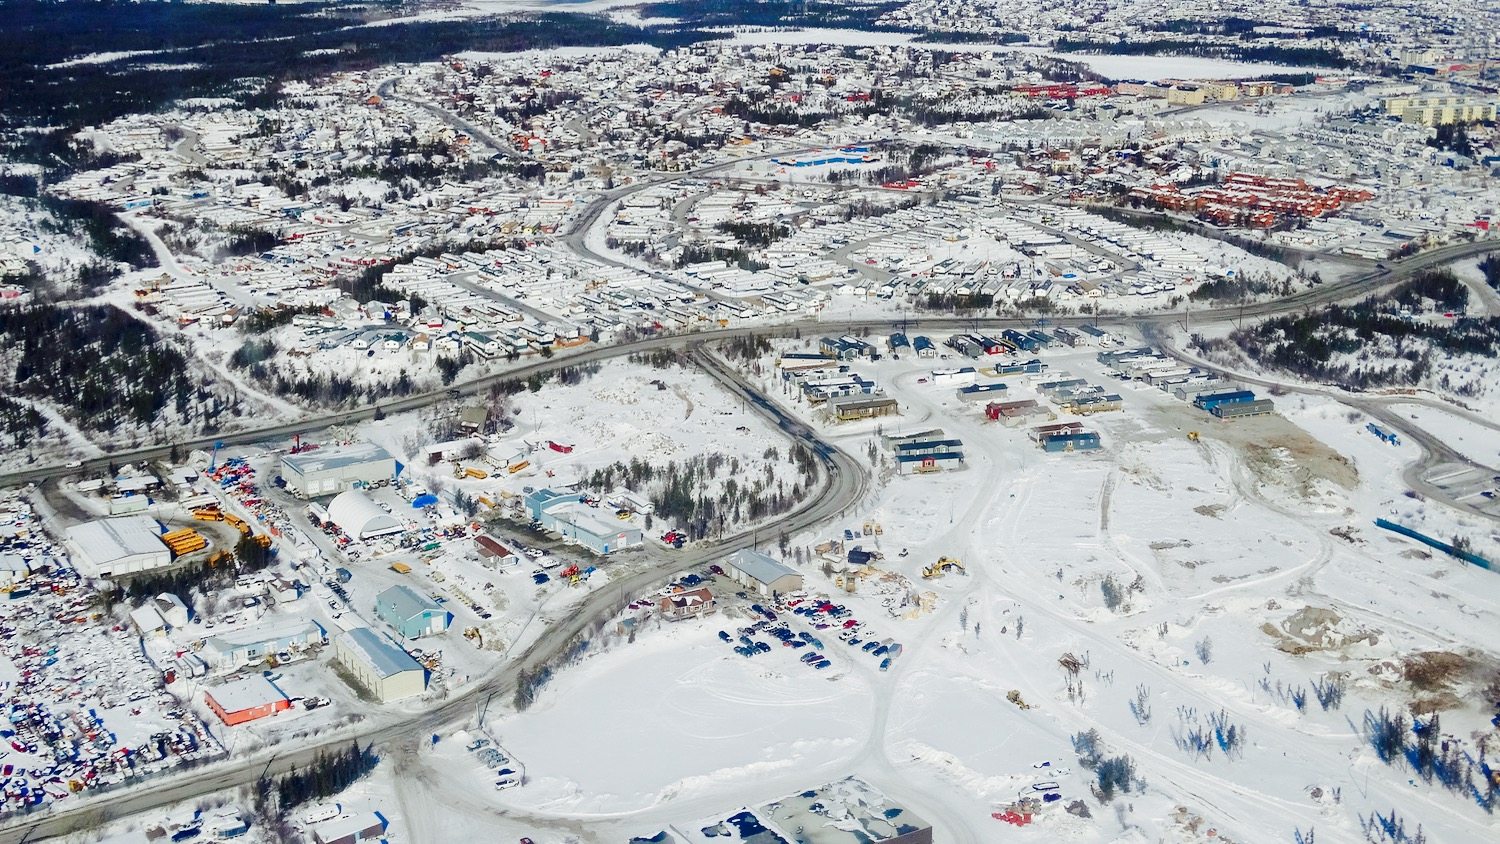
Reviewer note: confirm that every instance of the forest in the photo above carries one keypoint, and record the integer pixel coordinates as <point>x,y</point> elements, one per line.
<point>1389,341</point>
<point>678,490</point>
<point>103,369</point>
<point>216,48</point>
<point>1271,53</point>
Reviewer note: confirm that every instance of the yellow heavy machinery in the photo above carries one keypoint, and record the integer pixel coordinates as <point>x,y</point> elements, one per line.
<point>184,541</point>
<point>400,568</point>
<point>1192,436</point>
<point>942,567</point>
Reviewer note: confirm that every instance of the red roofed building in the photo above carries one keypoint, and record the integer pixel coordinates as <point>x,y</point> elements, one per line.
<point>698,602</point>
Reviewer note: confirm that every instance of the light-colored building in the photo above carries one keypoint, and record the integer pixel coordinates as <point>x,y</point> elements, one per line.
<point>764,574</point>
<point>235,649</point>
<point>326,471</point>
<point>411,613</point>
<point>360,517</point>
<point>350,829</point>
<point>380,666</point>
<point>1440,110</point>
<point>112,547</point>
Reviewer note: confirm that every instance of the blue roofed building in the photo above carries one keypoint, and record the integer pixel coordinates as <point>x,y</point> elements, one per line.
<point>413,614</point>
<point>565,514</point>
<point>379,665</point>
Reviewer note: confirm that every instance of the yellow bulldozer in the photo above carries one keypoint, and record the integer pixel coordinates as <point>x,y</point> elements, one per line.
<point>942,567</point>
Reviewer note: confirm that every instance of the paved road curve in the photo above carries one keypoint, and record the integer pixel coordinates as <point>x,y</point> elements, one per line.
<point>844,482</point>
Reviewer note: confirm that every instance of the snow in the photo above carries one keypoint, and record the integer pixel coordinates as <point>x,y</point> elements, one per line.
<point>703,720</point>
<point>1470,437</point>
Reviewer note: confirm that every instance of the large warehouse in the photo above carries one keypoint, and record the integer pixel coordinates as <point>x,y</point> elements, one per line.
<point>382,667</point>
<point>764,574</point>
<point>111,547</point>
<point>326,471</point>
<point>361,518</point>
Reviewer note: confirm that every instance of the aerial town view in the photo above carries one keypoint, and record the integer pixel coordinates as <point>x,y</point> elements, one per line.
<point>765,421</point>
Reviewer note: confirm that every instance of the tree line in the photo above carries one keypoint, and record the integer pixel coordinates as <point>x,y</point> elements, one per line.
<point>104,368</point>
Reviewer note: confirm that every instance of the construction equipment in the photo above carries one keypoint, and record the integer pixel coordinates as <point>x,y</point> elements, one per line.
<point>1192,436</point>
<point>942,567</point>
<point>400,568</point>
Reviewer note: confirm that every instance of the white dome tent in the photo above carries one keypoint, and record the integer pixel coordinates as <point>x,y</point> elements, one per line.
<point>360,517</point>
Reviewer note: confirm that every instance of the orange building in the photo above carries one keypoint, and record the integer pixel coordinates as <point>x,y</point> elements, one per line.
<point>246,700</point>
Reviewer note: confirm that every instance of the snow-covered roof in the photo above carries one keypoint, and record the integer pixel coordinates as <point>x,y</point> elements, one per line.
<point>359,516</point>
<point>380,652</point>
<point>759,566</point>
<point>323,459</point>
<point>147,619</point>
<point>404,602</point>
<point>280,630</point>
<point>107,540</point>
<point>248,693</point>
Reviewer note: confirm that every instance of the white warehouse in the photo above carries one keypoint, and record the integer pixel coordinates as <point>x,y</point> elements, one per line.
<point>111,547</point>
<point>327,471</point>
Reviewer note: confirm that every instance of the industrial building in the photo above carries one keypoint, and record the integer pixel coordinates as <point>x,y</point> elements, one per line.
<point>762,573</point>
<point>562,513</point>
<point>327,471</point>
<point>250,699</point>
<point>380,666</point>
<point>235,649</point>
<point>1235,410</point>
<point>413,614</point>
<point>360,517</point>
<point>124,545</point>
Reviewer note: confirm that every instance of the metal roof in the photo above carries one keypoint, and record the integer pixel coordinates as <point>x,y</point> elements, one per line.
<point>324,459</point>
<point>759,566</point>
<point>381,652</point>
<point>403,602</point>
<point>105,541</point>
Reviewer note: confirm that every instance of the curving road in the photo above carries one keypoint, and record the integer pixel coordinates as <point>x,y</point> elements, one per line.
<point>844,482</point>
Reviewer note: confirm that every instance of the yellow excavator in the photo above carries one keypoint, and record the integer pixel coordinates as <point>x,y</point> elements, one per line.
<point>942,567</point>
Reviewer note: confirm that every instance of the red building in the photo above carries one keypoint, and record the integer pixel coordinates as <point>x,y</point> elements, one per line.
<point>245,700</point>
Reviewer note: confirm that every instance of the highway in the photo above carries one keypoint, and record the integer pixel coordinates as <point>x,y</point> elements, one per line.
<point>844,482</point>
<point>1379,279</point>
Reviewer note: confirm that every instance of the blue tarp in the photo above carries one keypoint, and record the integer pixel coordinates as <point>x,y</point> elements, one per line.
<point>424,501</point>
